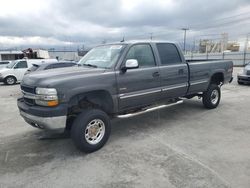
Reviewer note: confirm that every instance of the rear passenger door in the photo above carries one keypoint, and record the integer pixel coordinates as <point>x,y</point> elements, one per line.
<point>140,86</point>
<point>174,72</point>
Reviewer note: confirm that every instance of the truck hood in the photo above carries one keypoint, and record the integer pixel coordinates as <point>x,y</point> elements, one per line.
<point>51,77</point>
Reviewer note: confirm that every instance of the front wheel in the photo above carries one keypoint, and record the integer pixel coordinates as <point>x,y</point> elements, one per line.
<point>10,80</point>
<point>211,97</point>
<point>91,130</point>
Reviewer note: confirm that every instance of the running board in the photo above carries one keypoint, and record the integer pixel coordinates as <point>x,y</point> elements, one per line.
<point>149,110</point>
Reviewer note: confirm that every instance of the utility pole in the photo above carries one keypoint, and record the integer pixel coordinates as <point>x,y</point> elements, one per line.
<point>184,39</point>
<point>245,49</point>
<point>151,36</point>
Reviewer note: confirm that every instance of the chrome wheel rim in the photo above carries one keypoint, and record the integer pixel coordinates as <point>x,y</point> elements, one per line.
<point>94,131</point>
<point>214,96</point>
<point>10,81</point>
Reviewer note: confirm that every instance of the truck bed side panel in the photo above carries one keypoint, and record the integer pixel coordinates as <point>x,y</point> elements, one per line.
<point>202,72</point>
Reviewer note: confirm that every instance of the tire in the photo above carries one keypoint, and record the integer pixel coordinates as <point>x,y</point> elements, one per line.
<point>211,97</point>
<point>240,83</point>
<point>83,129</point>
<point>10,80</point>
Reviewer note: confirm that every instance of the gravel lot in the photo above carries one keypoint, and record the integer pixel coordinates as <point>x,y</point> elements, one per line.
<point>181,146</point>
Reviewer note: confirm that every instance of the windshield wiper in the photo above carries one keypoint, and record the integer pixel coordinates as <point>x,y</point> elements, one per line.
<point>90,65</point>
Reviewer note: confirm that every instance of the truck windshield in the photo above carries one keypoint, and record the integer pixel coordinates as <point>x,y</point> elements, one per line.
<point>102,56</point>
<point>11,64</point>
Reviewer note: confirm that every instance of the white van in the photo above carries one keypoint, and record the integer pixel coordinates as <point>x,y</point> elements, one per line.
<point>15,70</point>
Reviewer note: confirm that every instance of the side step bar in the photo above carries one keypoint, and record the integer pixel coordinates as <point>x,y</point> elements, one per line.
<point>149,110</point>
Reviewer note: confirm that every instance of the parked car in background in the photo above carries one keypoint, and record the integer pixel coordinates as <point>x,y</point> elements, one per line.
<point>15,70</point>
<point>3,64</point>
<point>244,77</point>
<point>50,65</point>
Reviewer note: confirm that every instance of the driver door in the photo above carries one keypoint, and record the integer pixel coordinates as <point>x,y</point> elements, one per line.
<point>19,70</point>
<point>140,86</point>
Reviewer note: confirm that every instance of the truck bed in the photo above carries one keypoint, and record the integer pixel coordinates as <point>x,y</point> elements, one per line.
<point>200,72</point>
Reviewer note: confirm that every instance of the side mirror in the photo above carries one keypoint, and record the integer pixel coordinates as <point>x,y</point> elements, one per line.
<point>131,64</point>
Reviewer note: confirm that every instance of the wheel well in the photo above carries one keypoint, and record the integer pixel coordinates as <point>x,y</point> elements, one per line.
<point>97,99</point>
<point>10,76</point>
<point>217,78</point>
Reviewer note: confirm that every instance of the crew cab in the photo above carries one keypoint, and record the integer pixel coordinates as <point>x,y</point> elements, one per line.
<point>114,80</point>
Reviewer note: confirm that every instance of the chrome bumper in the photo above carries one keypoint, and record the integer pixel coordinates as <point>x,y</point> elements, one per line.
<point>48,123</point>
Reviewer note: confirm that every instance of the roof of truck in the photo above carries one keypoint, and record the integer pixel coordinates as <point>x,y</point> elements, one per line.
<point>143,41</point>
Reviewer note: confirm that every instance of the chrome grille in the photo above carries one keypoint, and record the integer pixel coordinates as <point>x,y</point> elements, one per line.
<point>28,89</point>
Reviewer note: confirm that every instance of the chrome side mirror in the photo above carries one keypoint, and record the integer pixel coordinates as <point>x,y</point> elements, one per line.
<point>131,64</point>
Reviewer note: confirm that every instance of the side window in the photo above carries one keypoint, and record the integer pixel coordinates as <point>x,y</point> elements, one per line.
<point>21,65</point>
<point>49,67</point>
<point>143,53</point>
<point>168,54</point>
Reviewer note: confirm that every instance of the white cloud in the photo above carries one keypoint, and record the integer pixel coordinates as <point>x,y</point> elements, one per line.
<point>48,22</point>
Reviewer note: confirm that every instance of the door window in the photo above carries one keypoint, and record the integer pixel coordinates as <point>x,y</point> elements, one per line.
<point>143,54</point>
<point>168,53</point>
<point>21,65</point>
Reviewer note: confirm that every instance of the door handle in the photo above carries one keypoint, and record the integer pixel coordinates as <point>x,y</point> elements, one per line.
<point>181,71</point>
<point>156,74</point>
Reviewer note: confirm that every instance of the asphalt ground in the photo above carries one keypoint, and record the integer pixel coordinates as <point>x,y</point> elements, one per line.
<point>181,146</point>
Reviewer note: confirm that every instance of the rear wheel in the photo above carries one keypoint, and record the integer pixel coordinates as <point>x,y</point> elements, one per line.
<point>240,83</point>
<point>91,130</point>
<point>10,80</point>
<point>211,97</point>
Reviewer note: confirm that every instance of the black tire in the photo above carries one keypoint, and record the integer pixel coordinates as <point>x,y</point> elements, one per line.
<point>209,99</point>
<point>79,129</point>
<point>10,80</point>
<point>240,83</point>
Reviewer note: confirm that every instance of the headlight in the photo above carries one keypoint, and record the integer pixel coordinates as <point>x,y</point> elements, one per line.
<point>46,97</point>
<point>46,91</point>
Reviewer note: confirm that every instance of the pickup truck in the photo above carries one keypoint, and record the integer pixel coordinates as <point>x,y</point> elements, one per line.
<point>114,80</point>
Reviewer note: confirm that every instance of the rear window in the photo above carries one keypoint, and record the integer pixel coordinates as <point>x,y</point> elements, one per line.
<point>33,68</point>
<point>168,53</point>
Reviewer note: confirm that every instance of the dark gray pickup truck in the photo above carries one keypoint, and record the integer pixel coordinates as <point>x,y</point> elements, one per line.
<point>115,80</point>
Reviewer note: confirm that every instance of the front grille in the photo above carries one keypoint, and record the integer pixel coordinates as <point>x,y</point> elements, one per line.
<point>28,89</point>
<point>248,72</point>
<point>29,101</point>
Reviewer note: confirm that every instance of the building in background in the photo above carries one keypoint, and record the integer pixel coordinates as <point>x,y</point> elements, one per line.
<point>11,55</point>
<point>36,53</point>
<point>218,46</point>
<point>68,55</point>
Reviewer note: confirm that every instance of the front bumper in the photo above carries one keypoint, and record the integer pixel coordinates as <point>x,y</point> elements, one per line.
<point>57,124</point>
<point>47,118</point>
<point>244,78</point>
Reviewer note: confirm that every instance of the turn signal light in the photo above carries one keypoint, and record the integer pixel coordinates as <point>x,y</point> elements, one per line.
<point>53,103</point>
